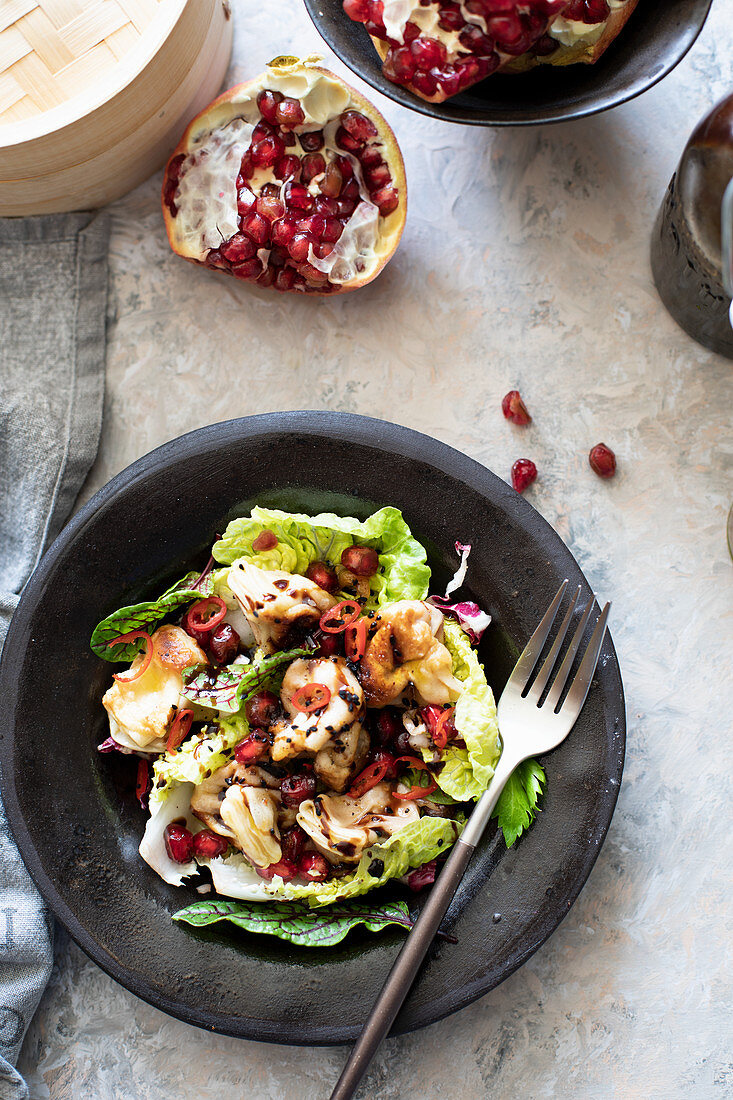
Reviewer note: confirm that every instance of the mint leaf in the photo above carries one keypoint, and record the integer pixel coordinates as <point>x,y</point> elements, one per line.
<point>144,616</point>
<point>227,689</point>
<point>296,921</point>
<point>517,803</point>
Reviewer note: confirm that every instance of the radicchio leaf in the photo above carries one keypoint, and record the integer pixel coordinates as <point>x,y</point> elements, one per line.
<point>473,620</point>
<point>296,921</point>
<point>227,689</point>
<point>146,616</point>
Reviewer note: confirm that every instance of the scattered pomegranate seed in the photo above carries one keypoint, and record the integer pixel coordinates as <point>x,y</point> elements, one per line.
<point>284,868</point>
<point>313,867</point>
<point>251,749</point>
<point>312,141</point>
<point>223,644</point>
<point>602,460</point>
<point>178,842</point>
<point>514,408</point>
<point>360,560</point>
<point>209,845</point>
<point>262,709</point>
<point>322,575</point>
<point>295,789</point>
<point>524,473</point>
<point>292,843</point>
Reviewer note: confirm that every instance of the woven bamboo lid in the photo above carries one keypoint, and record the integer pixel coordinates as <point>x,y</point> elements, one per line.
<point>94,93</point>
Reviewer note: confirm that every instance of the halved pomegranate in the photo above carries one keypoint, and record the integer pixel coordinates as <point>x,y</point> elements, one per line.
<point>438,48</point>
<point>293,181</point>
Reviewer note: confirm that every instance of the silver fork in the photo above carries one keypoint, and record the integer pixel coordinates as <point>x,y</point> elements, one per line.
<point>527,729</point>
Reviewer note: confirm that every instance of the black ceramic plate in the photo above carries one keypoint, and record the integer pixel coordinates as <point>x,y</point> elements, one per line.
<point>656,38</point>
<point>73,812</point>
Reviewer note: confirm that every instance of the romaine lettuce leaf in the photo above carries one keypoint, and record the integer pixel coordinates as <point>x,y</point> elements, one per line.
<point>403,574</point>
<point>296,921</point>
<point>197,755</point>
<point>145,616</point>
<point>417,843</point>
<point>467,772</point>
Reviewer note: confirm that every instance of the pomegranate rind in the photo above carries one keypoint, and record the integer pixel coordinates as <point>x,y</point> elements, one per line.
<point>586,53</point>
<point>302,77</point>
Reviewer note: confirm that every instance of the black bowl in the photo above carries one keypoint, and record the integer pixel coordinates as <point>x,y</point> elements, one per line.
<point>74,814</point>
<point>656,38</point>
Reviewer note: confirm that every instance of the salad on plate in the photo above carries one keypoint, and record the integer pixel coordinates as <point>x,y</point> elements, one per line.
<point>310,722</point>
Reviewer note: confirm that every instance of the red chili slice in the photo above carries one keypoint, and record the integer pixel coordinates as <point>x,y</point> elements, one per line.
<point>440,724</point>
<point>131,637</point>
<point>206,614</point>
<point>179,730</point>
<point>339,617</point>
<point>415,792</point>
<point>143,778</point>
<point>266,540</point>
<point>369,778</point>
<point>355,639</point>
<point>318,694</point>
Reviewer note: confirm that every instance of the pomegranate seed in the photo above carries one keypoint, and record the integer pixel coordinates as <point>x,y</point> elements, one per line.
<point>314,224</point>
<point>284,230</point>
<point>358,125</point>
<point>428,52</point>
<point>270,207</point>
<point>250,269</point>
<point>344,140</point>
<point>267,278</point>
<point>178,842</point>
<point>208,845</point>
<point>313,165</point>
<point>382,757</point>
<point>298,196</point>
<point>289,113</point>
<point>267,102</point>
<point>245,201</point>
<point>266,152</point>
<point>300,246</point>
<point>514,408</point>
<point>449,80</point>
<point>312,141</point>
<point>311,274</point>
<point>588,11</point>
<point>399,65</point>
<point>332,230</point>
<point>223,644</point>
<point>237,249</point>
<point>358,10</point>
<point>285,279</point>
<point>262,709</point>
<point>332,182</point>
<point>524,472</point>
<point>350,191</point>
<point>292,843</point>
<point>329,645</point>
<point>346,208</point>
<point>278,257</point>
<point>256,227</point>
<point>422,876</point>
<point>371,156</point>
<point>473,39</point>
<point>388,726</point>
<point>402,747</point>
<point>545,45</point>
<point>313,867</point>
<point>295,789</point>
<point>360,560</point>
<point>386,199</point>
<point>425,83</point>
<point>288,167</point>
<point>602,460</point>
<point>378,177</point>
<point>322,575</point>
<point>252,748</point>
<point>451,18</point>
<point>345,167</point>
<point>284,868</point>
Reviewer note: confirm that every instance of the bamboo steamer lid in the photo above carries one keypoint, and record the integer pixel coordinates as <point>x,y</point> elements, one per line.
<point>94,94</point>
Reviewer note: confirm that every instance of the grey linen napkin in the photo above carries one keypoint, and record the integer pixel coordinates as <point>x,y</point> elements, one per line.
<point>53,292</point>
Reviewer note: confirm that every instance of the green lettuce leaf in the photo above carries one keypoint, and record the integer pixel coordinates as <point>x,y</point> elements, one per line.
<point>467,772</point>
<point>227,689</point>
<point>145,616</point>
<point>403,573</point>
<point>199,754</point>
<point>517,803</point>
<point>417,843</point>
<point>296,921</point>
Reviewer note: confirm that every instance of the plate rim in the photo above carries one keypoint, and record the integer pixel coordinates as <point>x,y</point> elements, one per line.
<point>443,112</point>
<point>410,443</point>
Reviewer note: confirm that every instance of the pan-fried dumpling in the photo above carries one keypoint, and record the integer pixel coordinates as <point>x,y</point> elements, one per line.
<point>250,813</point>
<point>345,826</point>
<point>405,650</point>
<point>309,733</point>
<point>277,605</point>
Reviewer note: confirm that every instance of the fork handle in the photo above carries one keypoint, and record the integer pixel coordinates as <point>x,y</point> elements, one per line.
<point>402,975</point>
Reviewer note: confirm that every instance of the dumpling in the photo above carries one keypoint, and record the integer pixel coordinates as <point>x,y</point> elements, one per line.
<point>141,711</point>
<point>280,607</point>
<point>312,732</point>
<point>406,650</point>
<point>342,827</point>
<point>250,813</point>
